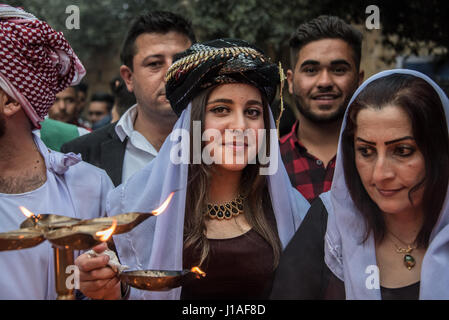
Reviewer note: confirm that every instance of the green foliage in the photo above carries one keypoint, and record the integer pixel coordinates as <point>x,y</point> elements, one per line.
<point>103,23</point>
<point>417,24</point>
<point>267,23</point>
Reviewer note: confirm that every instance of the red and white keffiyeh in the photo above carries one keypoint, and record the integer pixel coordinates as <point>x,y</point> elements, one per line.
<point>36,62</point>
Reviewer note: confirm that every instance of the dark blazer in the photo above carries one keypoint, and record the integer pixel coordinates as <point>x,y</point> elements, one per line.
<point>103,149</point>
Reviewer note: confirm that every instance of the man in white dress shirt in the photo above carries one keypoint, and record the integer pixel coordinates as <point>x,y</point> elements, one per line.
<point>124,147</point>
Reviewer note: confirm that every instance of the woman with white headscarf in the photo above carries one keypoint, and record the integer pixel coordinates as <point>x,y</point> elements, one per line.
<point>232,218</point>
<point>382,231</point>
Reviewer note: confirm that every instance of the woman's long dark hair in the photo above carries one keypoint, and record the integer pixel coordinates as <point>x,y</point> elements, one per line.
<point>425,110</point>
<point>258,209</point>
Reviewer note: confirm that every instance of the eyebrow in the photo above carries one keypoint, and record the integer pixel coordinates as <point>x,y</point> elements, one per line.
<point>386,143</point>
<point>152,56</point>
<point>340,61</point>
<point>309,62</point>
<point>229,101</point>
<point>400,139</point>
<point>220,100</point>
<point>333,63</point>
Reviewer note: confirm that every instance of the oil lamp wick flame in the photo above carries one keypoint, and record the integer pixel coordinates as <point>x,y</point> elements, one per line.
<point>106,234</point>
<point>29,214</point>
<point>164,206</point>
<point>198,271</point>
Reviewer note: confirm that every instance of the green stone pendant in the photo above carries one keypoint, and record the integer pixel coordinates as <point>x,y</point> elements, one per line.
<point>409,261</point>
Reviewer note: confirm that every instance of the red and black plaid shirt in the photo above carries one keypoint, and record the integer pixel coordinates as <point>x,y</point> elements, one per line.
<point>307,173</point>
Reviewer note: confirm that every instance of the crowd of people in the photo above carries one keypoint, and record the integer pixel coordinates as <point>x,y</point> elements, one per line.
<point>359,182</point>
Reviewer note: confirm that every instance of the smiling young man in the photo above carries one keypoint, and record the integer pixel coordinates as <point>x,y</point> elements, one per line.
<point>325,60</point>
<point>124,147</point>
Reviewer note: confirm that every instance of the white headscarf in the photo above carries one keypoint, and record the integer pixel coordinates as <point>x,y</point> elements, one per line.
<point>350,259</point>
<point>157,243</point>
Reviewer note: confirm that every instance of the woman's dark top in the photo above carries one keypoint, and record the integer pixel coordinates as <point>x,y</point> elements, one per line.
<point>302,272</point>
<point>236,268</point>
<point>410,292</point>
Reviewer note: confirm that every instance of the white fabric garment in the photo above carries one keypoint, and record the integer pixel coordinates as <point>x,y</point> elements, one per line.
<point>7,11</point>
<point>139,151</point>
<point>157,243</point>
<point>348,257</point>
<point>73,188</point>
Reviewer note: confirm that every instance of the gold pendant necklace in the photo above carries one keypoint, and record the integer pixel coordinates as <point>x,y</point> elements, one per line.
<point>409,260</point>
<point>227,210</point>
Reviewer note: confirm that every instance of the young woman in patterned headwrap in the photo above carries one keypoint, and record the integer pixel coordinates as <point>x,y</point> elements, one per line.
<point>231,218</point>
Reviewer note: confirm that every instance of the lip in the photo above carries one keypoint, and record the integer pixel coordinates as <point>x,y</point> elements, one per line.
<point>236,145</point>
<point>388,192</point>
<point>326,96</point>
<point>163,98</point>
<point>325,99</point>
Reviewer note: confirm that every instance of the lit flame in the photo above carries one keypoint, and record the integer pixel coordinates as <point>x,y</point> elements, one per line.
<point>26,212</point>
<point>106,234</point>
<point>164,206</point>
<point>198,271</point>
<point>29,214</point>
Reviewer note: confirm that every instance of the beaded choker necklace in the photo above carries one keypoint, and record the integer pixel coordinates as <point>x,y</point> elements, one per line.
<point>227,210</point>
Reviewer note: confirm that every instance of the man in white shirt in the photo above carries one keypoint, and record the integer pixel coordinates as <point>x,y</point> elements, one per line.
<point>124,147</point>
<point>36,63</point>
<point>139,151</point>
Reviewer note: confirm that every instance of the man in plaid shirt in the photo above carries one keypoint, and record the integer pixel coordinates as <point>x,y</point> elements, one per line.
<point>325,59</point>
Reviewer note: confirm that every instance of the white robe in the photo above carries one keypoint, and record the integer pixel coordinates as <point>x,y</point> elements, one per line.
<point>73,188</point>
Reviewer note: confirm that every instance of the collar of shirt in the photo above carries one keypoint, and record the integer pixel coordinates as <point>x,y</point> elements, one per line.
<point>292,137</point>
<point>125,128</point>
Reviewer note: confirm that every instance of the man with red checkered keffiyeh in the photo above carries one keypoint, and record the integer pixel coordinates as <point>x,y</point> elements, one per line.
<point>36,62</point>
